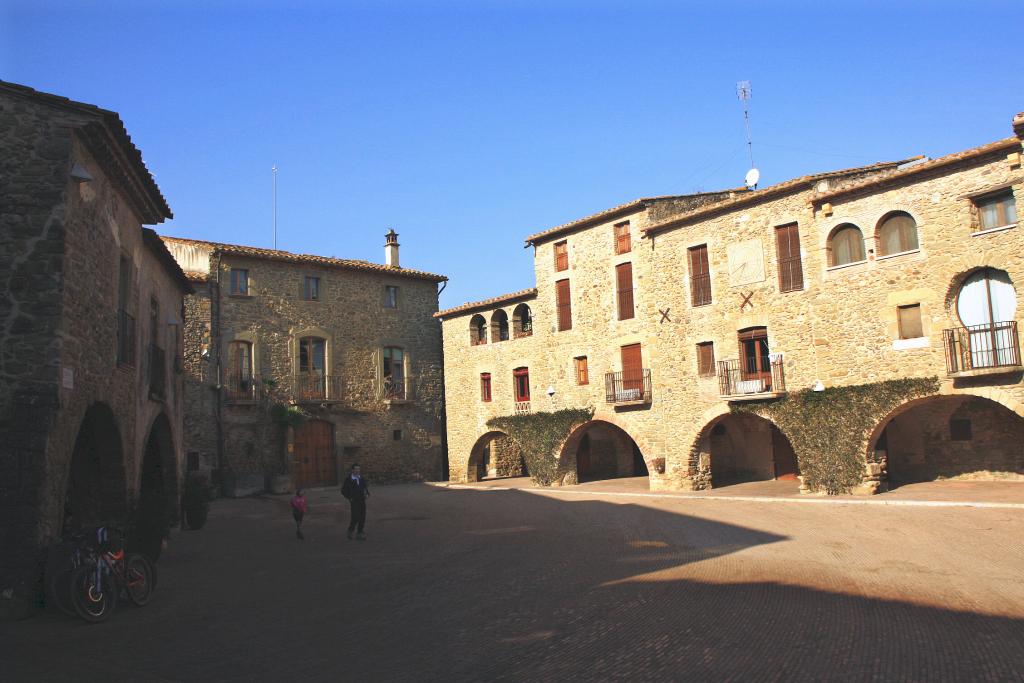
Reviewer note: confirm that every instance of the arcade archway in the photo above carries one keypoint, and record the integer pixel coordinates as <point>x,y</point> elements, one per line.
<point>496,455</point>
<point>742,447</point>
<point>602,450</point>
<point>97,491</point>
<point>158,486</point>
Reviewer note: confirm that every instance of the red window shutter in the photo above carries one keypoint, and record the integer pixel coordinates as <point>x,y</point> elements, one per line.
<point>521,384</point>
<point>700,276</point>
<point>563,301</point>
<point>485,386</point>
<point>561,256</point>
<point>622,238</point>
<point>705,359</point>
<point>791,272</point>
<point>632,367</point>
<point>624,287</point>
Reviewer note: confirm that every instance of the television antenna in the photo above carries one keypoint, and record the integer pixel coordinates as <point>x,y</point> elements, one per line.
<point>743,93</point>
<point>273,169</point>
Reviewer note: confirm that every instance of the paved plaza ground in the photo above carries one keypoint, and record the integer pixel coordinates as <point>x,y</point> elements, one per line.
<point>515,584</point>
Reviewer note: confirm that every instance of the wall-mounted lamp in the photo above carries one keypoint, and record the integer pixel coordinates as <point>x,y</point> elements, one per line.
<point>818,386</point>
<point>551,392</point>
<point>79,174</point>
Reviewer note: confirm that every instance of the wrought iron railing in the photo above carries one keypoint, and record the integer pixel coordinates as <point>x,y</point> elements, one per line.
<point>125,338</point>
<point>982,346</point>
<point>523,329</point>
<point>522,407</point>
<point>736,379</point>
<point>242,388</point>
<point>628,386</point>
<point>395,389</point>
<point>314,387</point>
<point>157,371</point>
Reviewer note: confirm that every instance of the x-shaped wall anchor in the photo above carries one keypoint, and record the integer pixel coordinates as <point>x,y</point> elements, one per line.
<point>746,300</point>
<point>664,315</point>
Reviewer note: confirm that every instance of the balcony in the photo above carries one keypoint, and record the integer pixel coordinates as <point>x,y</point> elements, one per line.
<point>395,390</point>
<point>628,388</point>
<point>157,372</point>
<point>736,383</point>
<point>522,408</point>
<point>980,350</point>
<point>312,388</point>
<point>125,338</point>
<point>239,389</point>
<point>523,329</point>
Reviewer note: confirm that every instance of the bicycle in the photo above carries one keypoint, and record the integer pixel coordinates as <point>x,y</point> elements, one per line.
<point>65,557</point>
<point>96,585</point>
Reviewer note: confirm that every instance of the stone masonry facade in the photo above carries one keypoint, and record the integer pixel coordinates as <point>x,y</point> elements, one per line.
<point>838,326</point>
<point>86,294</point>
<point>361,313</point>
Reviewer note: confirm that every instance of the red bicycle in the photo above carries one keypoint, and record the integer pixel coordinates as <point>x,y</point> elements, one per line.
<point>96,585</point>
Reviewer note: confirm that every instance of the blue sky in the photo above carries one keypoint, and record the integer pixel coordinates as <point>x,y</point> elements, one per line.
<point>468,125</point>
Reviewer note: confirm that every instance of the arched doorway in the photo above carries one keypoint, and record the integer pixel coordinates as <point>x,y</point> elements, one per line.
<point>313,460</point>
<point>496,455</point>
<point>743,447</point>
<point>946,437</point>
<point>157,490</point>
<point>602,450</point>
<point>97,491</point>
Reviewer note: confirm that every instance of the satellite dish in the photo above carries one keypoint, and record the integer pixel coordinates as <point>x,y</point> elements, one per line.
<point>753,175</point>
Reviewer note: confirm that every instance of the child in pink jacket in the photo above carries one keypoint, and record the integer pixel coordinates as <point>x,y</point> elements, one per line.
<point>298,512</point>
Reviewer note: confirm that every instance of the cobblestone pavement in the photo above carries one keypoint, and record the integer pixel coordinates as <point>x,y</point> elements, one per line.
<point>461,585</point>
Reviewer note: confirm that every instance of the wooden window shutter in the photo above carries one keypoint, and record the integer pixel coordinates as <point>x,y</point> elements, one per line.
<point>705,359</point>
<point>624,290</point>
<point>622,238</point>
<point>561,256</point>
<point>909,321</point>
<point>563,301</point>
<point>582,372</point>
<point>700,276</point>
<point>791,271</point>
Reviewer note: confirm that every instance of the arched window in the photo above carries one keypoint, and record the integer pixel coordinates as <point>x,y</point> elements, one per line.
<point>240,377</point>
<point>897,232</point>
<point>846,245</point>
<point>986,305</point>
<point>522,321</point>
<point>477,330</point>
<point>499,326</point>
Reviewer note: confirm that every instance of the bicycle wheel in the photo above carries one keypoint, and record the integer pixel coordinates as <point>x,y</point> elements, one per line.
<point>140,577</point>
<point>93,602</point>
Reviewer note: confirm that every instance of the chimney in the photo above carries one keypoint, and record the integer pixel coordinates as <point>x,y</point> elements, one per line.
<point>391,249</point>
<point>1018,125</point>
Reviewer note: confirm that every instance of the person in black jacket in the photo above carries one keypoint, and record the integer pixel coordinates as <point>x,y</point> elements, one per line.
<point>356,490</point>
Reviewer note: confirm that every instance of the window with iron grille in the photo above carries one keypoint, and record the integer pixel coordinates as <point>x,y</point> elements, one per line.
<point>561,255</point>
<point>706,359</point>
<point>791,270</point>
<point>700,276</point>
<point>624,290</point>
<point>485,386</point>
<point>909,319</point>
<point>623,243</point>
<point>996,210</point>
<point>239,282</point>
<point>582,373</point>
<point>563,302</point>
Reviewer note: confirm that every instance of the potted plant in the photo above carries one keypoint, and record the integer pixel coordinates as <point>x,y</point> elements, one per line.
<point>196,501</point>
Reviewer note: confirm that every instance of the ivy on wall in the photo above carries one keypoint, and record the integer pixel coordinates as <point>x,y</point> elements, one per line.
<point>828,429</point>
<point>540,435</point>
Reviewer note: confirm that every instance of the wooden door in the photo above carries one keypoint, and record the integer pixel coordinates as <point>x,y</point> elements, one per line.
<point>313,461</point>
<point>755,363</point>
<point>786,466</point>
<point>632,369</point>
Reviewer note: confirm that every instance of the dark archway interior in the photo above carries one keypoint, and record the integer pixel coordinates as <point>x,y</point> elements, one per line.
<point>157,491</point>
<point>952,436</point>
<point>604,451</point>
<point>746,448</point>
<point>496,456</point>
<point>97,490</point>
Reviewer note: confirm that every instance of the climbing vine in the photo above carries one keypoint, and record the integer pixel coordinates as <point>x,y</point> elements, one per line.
<point>539,435</point>
<point>828,429</point>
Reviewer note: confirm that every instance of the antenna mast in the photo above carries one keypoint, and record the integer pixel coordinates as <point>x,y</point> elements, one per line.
<point>273,169</point>
<point>743,92</point>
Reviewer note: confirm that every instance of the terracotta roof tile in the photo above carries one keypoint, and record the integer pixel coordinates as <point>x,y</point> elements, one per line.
<point>278,255</point>
<point>487,303</point>
<point>898,174</point>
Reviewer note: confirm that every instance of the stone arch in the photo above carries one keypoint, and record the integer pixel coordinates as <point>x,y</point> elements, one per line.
<point>779,453</point>
<point>522,320</point>
<point>495,451</point>
<point>971,266</point>
<point>830,250</point>
<point>158,490</point>
<point>477,330</point>
<point>884,219</point>
<point>499,326</point>
<point>97,485</point>
<point>622,438</point>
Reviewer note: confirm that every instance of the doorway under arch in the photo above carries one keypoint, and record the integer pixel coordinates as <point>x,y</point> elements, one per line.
<point>947,437</point>
<point>496,455</point>
<point>744,447</point>
<point>602,450</point>
<point>158,490</point>
<point>97,491</point>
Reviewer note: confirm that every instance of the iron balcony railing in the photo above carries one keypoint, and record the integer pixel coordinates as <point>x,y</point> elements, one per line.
<point>737,379</point>
<point>628,386</point>
<point>522,407</point>
<point>395,389</point>
<point>977,347</point>
<point>310,387</point>
<point>523,329</point>
<point>157,371</point>
<point>243,388</point>
<point>125,338</point>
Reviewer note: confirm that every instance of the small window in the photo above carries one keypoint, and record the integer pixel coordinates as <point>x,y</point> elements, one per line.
<point>997,210</point>
<point>239,282</point>
<point>910,321</point>
<point>623,244</point>
<point>311,290</point>
<point>897,233</point>
<point>700,276</point>
<point>624,290</point>
<point>706,359</point>
<point>960,430</point>
<point>390,296</point>
<point>561,255</point>
<point>396,434</point>
<point>563,303</point>
<point>582,373</point>
<point>485,387</point>
<point>846,245</point>
<point>521,384</point>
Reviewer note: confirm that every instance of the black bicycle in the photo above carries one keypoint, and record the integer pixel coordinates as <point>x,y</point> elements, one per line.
<point>105,570</point>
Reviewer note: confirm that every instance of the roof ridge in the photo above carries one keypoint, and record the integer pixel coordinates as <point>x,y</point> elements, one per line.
<point>483,303</point>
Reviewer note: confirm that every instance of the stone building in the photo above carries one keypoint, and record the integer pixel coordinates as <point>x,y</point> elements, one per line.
<point>298,365</point>
<point>90,335</point>
<point>694,325</point>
